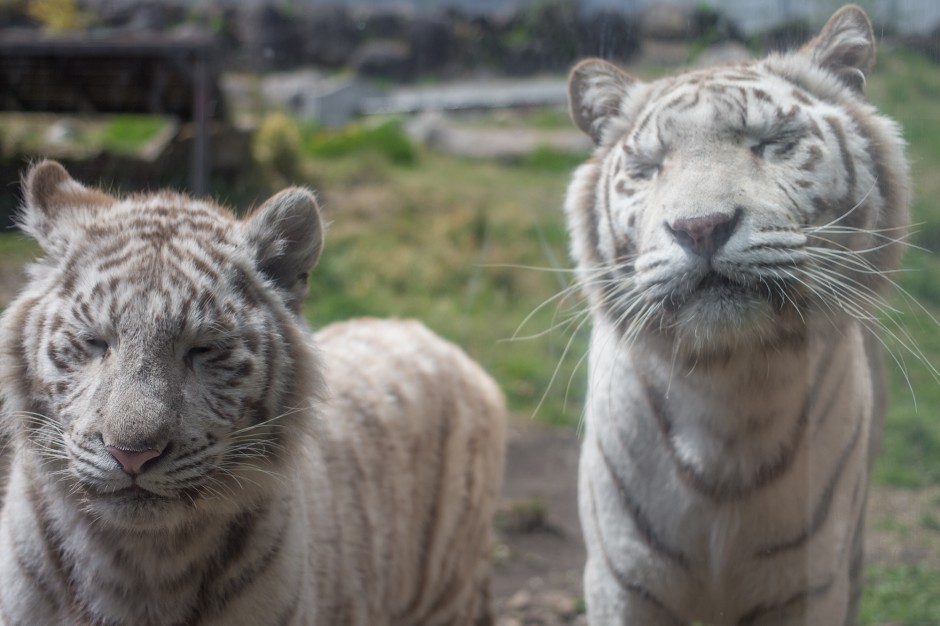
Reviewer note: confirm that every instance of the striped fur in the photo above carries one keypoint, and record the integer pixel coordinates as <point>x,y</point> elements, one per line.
<point>733,232</point>
<point>347,478</point>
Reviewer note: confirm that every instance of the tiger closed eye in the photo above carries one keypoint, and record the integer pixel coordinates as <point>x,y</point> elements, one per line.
<point>645,170</point>
<point>197,351</point>
<point>758,149</point>
<point>97,344</point>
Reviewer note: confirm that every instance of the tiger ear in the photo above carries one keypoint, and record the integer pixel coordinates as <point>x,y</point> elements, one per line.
<point>596,89</point>
<point>845,46</point>
<point>286,233</point>
<point>55,205</point>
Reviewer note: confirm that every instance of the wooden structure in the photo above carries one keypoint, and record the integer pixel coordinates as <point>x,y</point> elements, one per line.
<point>122,73</point>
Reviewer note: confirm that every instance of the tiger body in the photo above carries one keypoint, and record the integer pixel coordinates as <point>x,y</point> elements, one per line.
<point>184,452</point>
<point>732,233</point>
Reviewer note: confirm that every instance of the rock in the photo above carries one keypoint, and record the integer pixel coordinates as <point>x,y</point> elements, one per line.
<point>559,603</point>
<point>62,131</point>
<point>666,21</point>
<point>664,52</point>
<point>724,52</point>
<point>537,604</point>
<point>519,601</point>
<point>310,95</point>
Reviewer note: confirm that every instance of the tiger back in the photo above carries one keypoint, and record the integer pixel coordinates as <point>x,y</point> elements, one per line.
<point>184,452</point>
<point>733,232</point>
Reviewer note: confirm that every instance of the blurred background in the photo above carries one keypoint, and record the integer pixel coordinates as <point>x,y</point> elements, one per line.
<point>437,138</point>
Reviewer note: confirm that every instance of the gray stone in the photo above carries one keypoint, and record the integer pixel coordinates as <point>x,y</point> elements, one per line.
<point>724,52</point>
<point>666,21</point>
<point>309,95</point>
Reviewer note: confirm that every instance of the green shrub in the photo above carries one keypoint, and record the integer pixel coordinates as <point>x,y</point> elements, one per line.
<point>58,15</point>
<point>387,139</point>
<point>128,133</point>
<point>276,146</point>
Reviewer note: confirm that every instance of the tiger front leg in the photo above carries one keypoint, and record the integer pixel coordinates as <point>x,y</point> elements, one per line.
<point>612,601</point>
<point>624,584</point>
<point>615,602</point>
<point>825,603</point>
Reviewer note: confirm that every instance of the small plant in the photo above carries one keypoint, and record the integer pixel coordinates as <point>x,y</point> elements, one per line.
<point>387,139</point>
<point>58,16</point>
<point>523,516</point>
<point>276,147</point>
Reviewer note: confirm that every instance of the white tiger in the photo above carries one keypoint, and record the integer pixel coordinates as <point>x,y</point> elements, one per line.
<point>184,453</point>
<point>732,233</point>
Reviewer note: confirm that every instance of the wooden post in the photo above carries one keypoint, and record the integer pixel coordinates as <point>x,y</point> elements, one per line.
<point>201,158</point>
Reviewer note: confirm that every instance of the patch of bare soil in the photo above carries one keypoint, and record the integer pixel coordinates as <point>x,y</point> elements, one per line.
<point>903,526</point>
<point>539,555</point>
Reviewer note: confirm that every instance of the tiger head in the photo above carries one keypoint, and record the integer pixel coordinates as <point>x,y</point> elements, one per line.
<point>154,364</point>
<point>737,206</point>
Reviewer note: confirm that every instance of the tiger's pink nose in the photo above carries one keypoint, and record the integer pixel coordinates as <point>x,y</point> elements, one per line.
<point>132,460</point>
<point>705,235</point>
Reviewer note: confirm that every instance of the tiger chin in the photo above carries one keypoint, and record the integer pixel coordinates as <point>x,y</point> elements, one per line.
<point>183,451</point>
<point>733,233</point>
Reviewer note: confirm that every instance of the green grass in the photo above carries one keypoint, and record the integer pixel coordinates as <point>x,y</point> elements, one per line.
<point>907,87</point>
<point>27,133</point>
<point>128,133</point>
<point>17,249</point>
<point>547,159</point>
<point>465,246</point>
<point>386,139</point>
<point>905,595</point>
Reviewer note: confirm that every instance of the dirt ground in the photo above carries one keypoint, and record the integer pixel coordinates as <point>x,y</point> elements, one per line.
<point>539,555</point>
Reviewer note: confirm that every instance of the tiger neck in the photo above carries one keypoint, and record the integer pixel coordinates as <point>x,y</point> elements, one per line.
<point>160,576</point>
<point>731,426</point>
<point>747,379</point>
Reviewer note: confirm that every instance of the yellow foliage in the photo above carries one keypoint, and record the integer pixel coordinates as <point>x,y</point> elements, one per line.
<point>57,15</point>
<point>276,146</point>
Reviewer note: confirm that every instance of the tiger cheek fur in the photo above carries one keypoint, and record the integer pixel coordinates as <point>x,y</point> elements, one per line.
<point>185,452</point>
<point>733,232</point>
